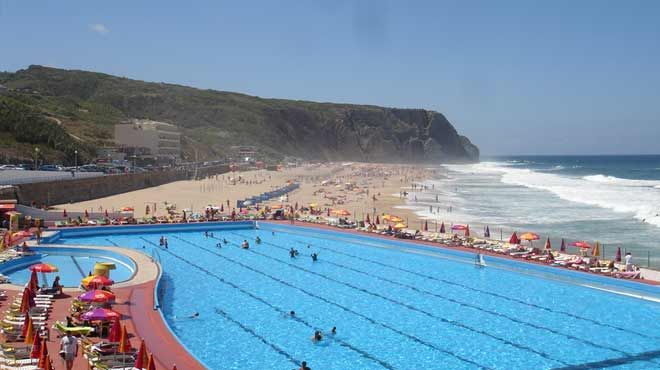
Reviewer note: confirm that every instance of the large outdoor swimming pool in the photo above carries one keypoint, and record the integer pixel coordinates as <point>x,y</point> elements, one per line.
<point>395,306</point>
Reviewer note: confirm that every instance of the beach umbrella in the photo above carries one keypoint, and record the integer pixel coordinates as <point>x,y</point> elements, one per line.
<point>28,330</point>
<point>458,227</point>
<point>618,255</point>
<point>48,364</point>
<point>582,245</point>
<point>563,245</point>
<point>514,238</point>
<point>442,228</point>
<point>529,237</point>
<point>96,281</point>
<point>151,365</point>
<point>124,343</point>
<point>487,232</point>
<point>467,230</point>
<point>43,267</point>
<point>400,225</point>
<point>426,225</point>
<point>97,296</point>
<point>395,219</point>
<point>106,213</point>
<point>174,367</point>
<point>377,220</point>
<point>64,214</point>
<point>341,212</point>
<point>548,246</point>
<point>141,358</point>
<point>328,213</point>
<point>596,250</point>
<point>34,281</point>
<point>27,300</point>
<point>43,355</point>
<point>100,314</point>
<point>36,346</point>
<point>296,206</point>
<point>86,214</point>
<point>368,220</point>
<point>114,335</point>
<point>222,207</point>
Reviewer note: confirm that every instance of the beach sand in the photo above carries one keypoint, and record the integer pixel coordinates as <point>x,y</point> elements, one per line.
<point>384,181</point>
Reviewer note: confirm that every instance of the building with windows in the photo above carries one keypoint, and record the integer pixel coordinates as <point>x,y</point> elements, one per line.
<point>147,138</point>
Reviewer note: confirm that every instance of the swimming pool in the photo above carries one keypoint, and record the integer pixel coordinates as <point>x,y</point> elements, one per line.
<point>73,265</point>
<point>395,306</point>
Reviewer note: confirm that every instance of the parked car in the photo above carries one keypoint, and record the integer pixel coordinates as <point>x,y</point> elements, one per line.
<point>50,167</point>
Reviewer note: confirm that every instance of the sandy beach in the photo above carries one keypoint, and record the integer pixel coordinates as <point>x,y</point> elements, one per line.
<point>358,188</point>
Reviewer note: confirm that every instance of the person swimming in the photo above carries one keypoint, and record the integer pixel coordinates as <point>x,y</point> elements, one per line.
<point>303,366</point>
<point>257,240</point>
<point>292,253</point>
<point>315,257</point>
<point>225,241</point>
<point>292,313</point>
<point>194,315</point>
<point>218,245</point>
<point>334,330</point>
<point>245,244</point>
<point>317,337</point>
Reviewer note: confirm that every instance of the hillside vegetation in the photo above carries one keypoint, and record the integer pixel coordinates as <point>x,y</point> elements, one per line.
<point>62,109</point>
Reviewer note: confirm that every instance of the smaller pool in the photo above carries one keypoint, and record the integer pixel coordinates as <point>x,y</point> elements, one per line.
<point>73,265</point>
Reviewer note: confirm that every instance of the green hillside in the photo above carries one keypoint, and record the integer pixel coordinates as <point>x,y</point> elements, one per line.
<point>62,109</point>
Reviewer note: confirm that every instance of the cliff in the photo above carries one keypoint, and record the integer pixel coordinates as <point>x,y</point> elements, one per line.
<point>87,104</point>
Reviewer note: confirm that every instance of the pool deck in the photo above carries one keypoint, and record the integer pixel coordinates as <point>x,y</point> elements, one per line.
<point>135,301</point>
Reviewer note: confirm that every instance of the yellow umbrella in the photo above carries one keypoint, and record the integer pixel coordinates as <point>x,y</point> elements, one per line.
<point>341,212</point>
<point>529,236</point>
<point>396,219</point>
<point>313,205</point>
<point>400,225</point>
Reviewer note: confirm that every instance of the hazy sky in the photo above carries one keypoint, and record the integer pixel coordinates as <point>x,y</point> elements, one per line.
<point>517,77</point>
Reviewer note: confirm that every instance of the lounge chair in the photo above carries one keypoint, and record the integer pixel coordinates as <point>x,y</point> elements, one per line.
<point>74,330</point>
<point>627,274</point>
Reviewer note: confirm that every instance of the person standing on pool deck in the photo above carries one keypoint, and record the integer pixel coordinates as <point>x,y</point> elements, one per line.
<point>628,261</point>
<point>69,347</point>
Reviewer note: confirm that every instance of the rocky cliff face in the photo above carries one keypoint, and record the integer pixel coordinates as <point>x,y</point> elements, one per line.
<point>213,120</point>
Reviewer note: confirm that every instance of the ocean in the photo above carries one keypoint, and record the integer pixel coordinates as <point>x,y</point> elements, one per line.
<point>611,199</point>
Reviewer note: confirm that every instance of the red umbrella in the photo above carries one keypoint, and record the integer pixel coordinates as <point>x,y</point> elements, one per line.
<point>124,343</point>
<point>328,212</point>
<point>27,301</point>
<point>43,267</point>
<point>114,335</point>
<point>583,245</point>
<point>141,358</point>
<point>100,314</point>
<point>98,281</point>
<point>442,228</point>
<point>563,245</point>
<point>34,281</point>
<point>514,238</point>
<point>377,220</point>
<point>458,227</point>
<point>36,346</point>
<point>618,255</point>
<point>43,355</point>
<point>548,246</point>
<point>64,214</point>
<point>426,225</point>
<point>174,368</point>
<point>27,326</point>
<point>151,365</point>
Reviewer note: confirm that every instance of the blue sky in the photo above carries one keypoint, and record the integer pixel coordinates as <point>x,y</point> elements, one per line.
<point>517,77</point>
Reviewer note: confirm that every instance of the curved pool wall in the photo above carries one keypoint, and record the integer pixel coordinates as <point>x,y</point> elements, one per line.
<point>143,229</point>
<point>542,271</point>
<point>24,262</point>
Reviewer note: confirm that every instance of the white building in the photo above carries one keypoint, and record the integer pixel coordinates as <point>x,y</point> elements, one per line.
<point>152,138</point>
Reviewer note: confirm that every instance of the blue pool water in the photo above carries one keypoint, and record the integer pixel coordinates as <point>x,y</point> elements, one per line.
<point>72,268</point>
<point>394,306</point>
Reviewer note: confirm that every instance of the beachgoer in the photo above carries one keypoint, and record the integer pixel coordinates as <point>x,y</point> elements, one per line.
<point>292,313</point>
<point>315,257</point>
<point>245,244</point>
<point>206,234</point>
<point>69,349</point>
<point>218,245</point>
<point>317,337</point>
<point>194,315</point>
<point>162,241</point>
<point>225,241</point>
<point>258,240</point>
<point>56,284</point>
<point>628,260</point>
<point>334,330</point>
<point>292,253</point>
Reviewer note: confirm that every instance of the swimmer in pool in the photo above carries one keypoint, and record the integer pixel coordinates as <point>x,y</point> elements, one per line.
<point>317,337</point>
<point>225,241</point>
<point>194,315</point>
<point>257,240</point>
<point>334,330</point>
<point>245,244</point>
